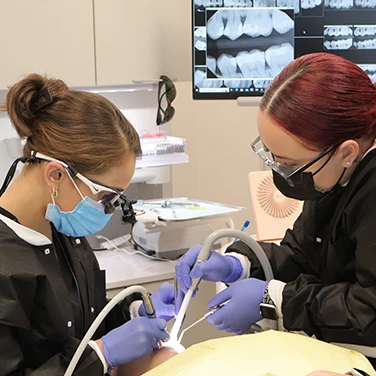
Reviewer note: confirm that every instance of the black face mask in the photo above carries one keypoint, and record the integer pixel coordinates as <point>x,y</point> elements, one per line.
<point>304,186</point>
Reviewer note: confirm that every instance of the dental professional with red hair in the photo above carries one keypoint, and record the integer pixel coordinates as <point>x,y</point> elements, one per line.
<point>317,131</point>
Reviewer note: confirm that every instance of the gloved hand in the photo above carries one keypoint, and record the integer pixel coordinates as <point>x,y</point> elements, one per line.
<point>164,302</point>
<point>243,307</point>
<point>133,340</point>
<point>218,268</point>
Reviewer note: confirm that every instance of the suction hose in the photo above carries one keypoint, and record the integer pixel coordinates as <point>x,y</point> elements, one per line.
<point>204,255</point>
<point>149,309</point>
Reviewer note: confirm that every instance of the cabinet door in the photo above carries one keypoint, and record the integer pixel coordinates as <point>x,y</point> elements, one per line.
<point>138,40</point>
<point>49,37</point>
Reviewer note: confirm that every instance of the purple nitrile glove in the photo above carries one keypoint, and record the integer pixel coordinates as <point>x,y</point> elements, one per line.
<point>218,268</point>
<point>133,340</point>
<point>243,307</point>
<point>164,302</point>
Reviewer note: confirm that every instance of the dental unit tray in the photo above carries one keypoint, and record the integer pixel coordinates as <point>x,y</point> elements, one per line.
<point>184,209</point>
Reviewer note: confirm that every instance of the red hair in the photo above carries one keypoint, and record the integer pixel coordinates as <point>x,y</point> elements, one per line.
<point>323,100</point>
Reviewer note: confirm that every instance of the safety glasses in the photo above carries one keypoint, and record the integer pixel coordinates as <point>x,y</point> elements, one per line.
<point>110,197</point>
<point>286,171</point>
<point>166,94</point>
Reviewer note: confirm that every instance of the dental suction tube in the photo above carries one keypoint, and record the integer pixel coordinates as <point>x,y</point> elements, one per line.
<point>204,255</point>
<point>229,233</point>
<point>149,309</point>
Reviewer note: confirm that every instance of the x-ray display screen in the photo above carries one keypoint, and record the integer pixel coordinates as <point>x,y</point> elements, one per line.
<point>239,46</point>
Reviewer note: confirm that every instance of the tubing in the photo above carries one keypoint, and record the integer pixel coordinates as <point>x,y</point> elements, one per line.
<point>204,255</point>
<point>94,326</point>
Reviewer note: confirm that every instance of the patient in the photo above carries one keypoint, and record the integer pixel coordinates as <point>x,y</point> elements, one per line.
<point>148,362</point>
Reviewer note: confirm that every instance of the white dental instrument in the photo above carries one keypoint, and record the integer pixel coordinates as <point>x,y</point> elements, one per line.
<point>212,311</point>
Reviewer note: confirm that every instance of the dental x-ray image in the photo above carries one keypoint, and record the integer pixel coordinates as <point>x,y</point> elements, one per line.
<point>249,43</point>
<point>340,4</point>
<point>208,3</point>
<point>309,4</point>
<point>312,8</point>
<point>200,38</point>
<point>365,37</point>
<point>370,69</point>
<point>264,3</point>
<point>221,3</point>
<point>361,37</point>
<point>365,4</point>
<point>338,37</point>
<point>238,84</point>
<point>295,4</point>
<point>240,46</point>
<point>202,82</point>
<point>261,84</point>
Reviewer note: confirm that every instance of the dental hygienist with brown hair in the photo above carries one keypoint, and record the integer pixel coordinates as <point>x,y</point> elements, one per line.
<point>79,157</point>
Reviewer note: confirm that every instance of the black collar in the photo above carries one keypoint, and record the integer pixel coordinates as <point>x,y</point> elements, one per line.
<point>8,215</point>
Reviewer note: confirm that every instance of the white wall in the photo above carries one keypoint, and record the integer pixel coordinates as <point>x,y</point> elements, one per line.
<point>218,136</point>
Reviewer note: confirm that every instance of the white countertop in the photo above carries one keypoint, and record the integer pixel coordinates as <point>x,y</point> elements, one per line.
<point>125,270</point>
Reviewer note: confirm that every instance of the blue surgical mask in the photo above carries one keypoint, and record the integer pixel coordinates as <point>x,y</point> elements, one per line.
<point>87,218</point>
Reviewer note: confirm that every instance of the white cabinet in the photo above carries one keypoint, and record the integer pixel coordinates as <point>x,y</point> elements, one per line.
<point>47,36</point>
<point>137,40</point>
<point>90,42</point>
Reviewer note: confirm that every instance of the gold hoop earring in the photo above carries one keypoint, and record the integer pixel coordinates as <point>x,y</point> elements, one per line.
<point>54,193</point>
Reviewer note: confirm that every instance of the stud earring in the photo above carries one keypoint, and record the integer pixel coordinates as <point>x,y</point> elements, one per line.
<point>348,164</point>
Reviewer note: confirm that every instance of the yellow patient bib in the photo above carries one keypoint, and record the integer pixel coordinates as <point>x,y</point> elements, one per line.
<point>267,353</point>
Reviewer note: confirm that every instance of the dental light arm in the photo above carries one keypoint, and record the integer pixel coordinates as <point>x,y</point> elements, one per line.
<point>204,255</point>
<point>149,309</point>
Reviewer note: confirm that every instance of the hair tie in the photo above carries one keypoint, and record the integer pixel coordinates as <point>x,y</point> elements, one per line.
<point>44,99</point>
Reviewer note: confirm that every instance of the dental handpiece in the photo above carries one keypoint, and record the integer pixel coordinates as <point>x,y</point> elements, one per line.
<point>148,304</point>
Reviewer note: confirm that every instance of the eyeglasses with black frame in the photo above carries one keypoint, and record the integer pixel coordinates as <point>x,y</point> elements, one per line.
<point>166,94</point>
<point>110,199</point>
<point>286,171</point>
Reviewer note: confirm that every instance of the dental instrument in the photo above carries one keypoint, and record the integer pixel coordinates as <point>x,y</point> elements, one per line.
<point>245,226</point>
<point>170,204</point>
<point>204,255</point>
<point>149,310</point>
<point>176,288</point>
<point>211,312</point>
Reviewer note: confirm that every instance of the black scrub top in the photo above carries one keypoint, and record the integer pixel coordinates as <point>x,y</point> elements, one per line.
<point>50,293</point>
<point>328,261</point>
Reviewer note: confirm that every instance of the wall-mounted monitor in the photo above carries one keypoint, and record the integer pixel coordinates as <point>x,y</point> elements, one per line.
<point>239,46</point>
